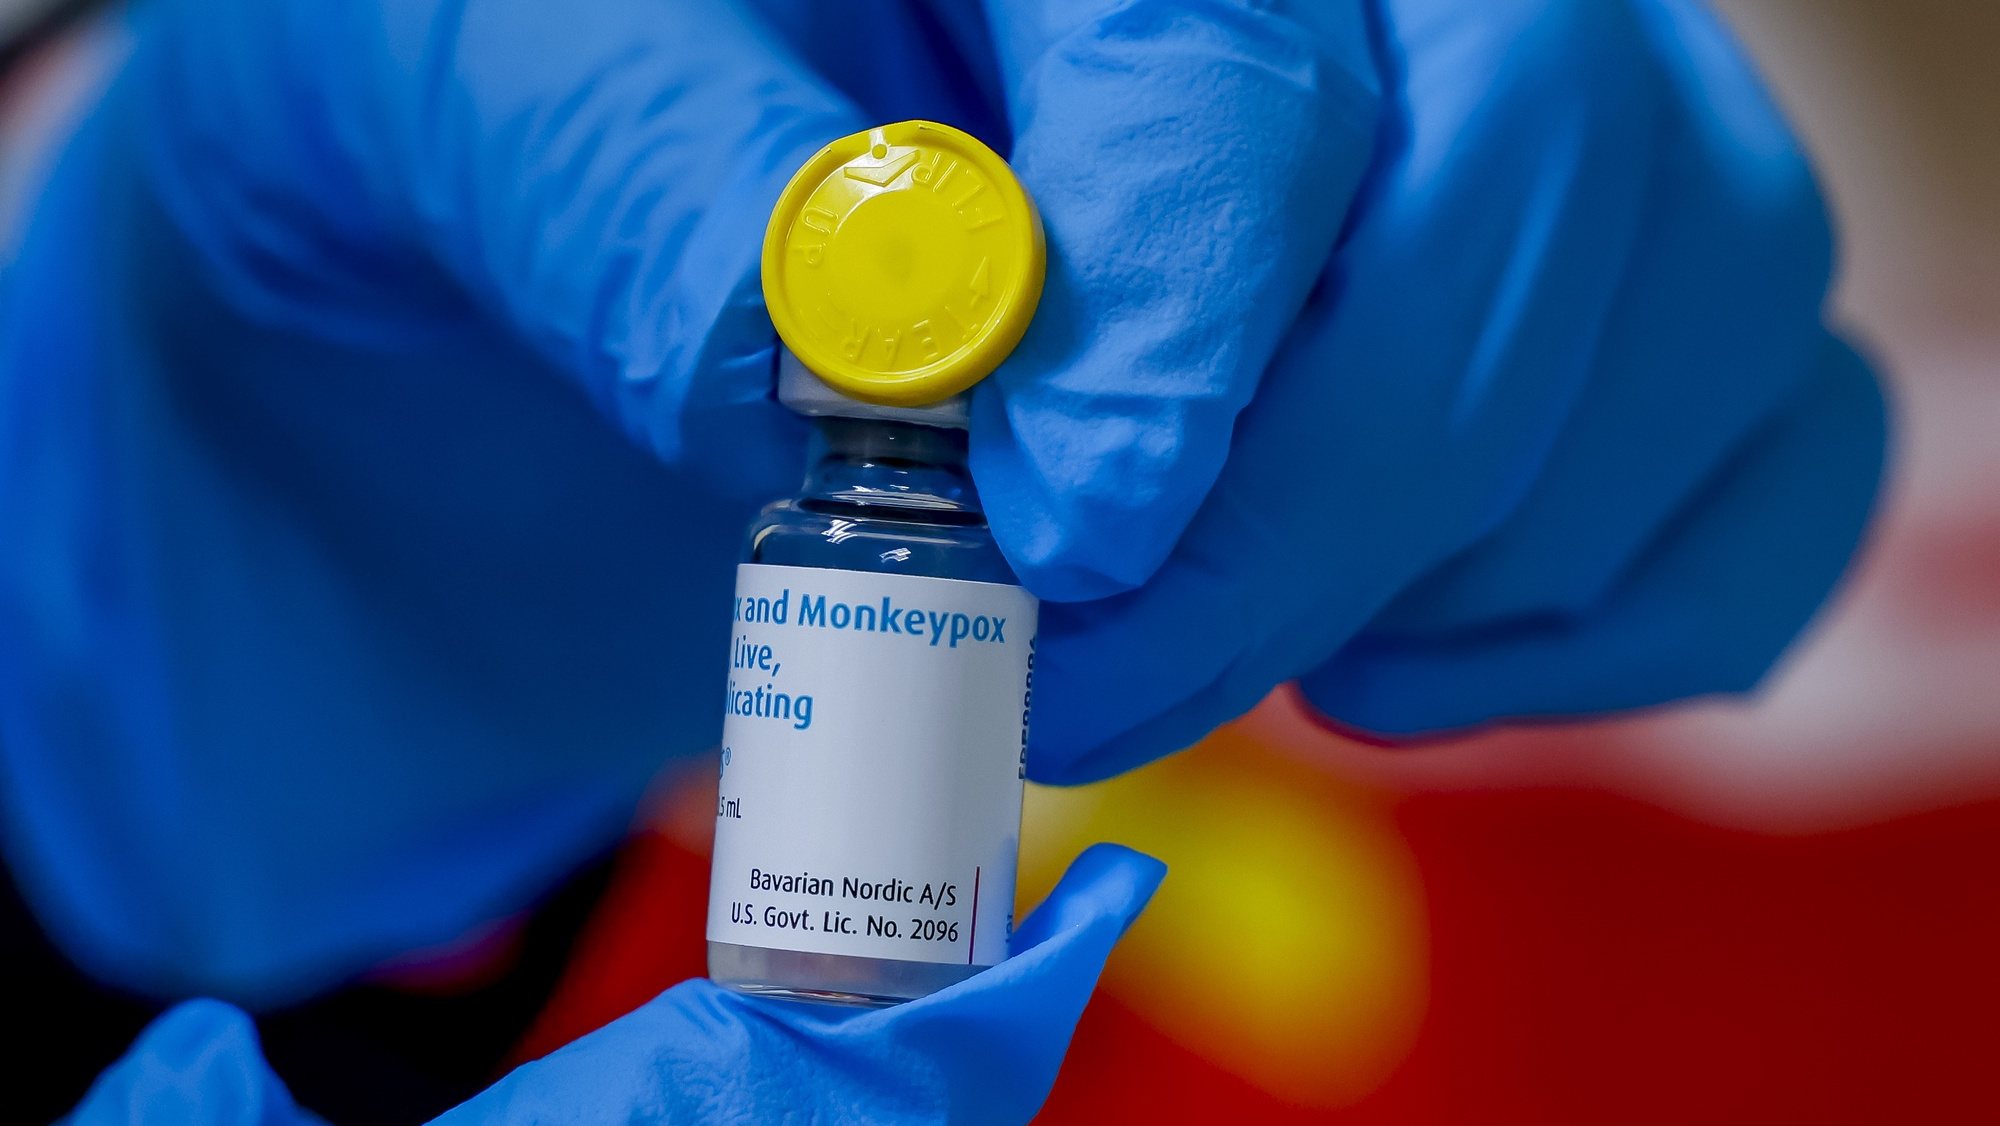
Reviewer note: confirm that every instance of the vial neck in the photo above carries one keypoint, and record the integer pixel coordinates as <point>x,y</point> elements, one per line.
<point>893,470</point>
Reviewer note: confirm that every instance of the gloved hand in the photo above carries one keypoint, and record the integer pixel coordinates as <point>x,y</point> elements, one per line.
<point>985,1050</point>
<point>1536,415</point>
<point>1462,358</point>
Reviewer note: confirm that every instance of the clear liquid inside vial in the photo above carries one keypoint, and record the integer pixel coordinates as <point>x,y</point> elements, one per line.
<point>886,497</point>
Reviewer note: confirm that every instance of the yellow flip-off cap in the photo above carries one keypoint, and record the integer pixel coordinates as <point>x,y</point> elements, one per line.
<point>902,264</point>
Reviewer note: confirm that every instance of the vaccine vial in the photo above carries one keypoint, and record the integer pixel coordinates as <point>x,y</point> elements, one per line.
<point>881,652</point>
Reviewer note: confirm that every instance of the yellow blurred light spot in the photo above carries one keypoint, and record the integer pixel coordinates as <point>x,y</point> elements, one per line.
<point>1288,943</point>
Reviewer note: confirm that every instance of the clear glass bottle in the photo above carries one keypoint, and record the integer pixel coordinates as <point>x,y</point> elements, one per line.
<point>881,496</point>
<point>886,496</point>
<point>869,814</point>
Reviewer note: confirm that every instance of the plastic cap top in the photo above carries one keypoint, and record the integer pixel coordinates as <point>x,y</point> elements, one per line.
<point>903,264</point>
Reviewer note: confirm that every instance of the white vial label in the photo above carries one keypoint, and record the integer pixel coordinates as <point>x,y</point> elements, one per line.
<point>872,763</point>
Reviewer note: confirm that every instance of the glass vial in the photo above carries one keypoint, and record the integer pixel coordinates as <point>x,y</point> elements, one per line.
<point>873,750</point>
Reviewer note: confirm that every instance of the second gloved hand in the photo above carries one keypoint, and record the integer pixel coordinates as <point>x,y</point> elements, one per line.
<point>985,1050</point>
<point>1463,358</point>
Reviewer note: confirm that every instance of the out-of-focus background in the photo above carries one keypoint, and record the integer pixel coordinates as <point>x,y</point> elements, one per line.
<point>1783,909</point>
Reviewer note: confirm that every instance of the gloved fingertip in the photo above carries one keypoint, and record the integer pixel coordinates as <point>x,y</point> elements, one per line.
<point>201,1060</point>
<point>1118,870</point>
<point>193,1028</point>
<point>1083,511</point>
<point>1056,562</point>
<point>1106,882</point>
<point>1066,579</point>
<point>1140,877</point>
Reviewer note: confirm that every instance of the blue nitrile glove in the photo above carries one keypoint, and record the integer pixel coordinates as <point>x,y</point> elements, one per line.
<point>1463,357</point>
<point>985,1050</point>
<point>334,619</point>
